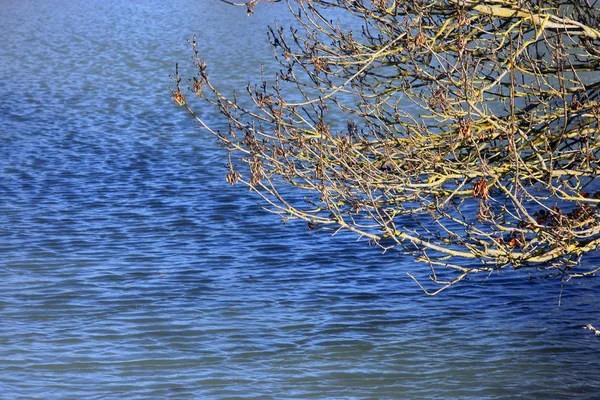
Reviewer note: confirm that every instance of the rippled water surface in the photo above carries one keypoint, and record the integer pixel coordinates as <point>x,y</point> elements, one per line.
<point>130,269</point>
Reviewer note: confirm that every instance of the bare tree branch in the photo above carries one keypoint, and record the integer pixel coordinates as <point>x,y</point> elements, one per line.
<point>470,133</point>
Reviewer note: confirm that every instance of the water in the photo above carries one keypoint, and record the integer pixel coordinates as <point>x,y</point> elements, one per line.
<point>130,269</point>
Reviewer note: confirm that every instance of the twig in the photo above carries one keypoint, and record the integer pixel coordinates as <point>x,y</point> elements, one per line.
<point>591,328</point>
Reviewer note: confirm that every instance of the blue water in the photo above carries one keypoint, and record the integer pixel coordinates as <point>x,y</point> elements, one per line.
<point>130,269</point>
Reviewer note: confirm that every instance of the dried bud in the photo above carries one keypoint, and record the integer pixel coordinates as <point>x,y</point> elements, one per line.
<point>256,167</point>
<point>515,243</point>
<point>464,130</point>
<point>480,189</point>
<point>379,3</point>
<point>233,177</point>
<point>420,40</point>
<point>322,129</point>
<point>320,64</point>
<point>250,7</point>
<point>179,98</point>
<point>198,85</point>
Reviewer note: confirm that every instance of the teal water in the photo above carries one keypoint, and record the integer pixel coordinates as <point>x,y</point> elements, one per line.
<point>130,269</point>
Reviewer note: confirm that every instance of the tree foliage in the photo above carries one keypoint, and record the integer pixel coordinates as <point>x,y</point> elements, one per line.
<point>470,136</point>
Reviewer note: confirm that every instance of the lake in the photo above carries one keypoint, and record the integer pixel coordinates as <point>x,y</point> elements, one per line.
<point>130,268</point>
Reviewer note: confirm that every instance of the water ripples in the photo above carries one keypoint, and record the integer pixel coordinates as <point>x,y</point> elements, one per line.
<point>130,269</point>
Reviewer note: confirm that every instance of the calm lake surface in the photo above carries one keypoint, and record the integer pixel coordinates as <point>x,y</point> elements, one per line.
<point>130,269</point>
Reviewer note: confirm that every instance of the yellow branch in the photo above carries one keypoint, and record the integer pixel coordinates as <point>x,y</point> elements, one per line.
<point>575,28</point>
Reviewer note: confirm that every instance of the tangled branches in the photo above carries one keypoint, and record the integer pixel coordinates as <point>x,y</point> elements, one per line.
<point>472,136</point>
